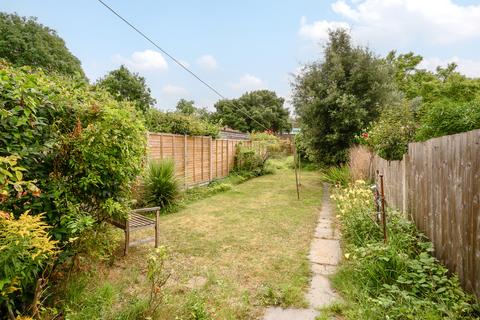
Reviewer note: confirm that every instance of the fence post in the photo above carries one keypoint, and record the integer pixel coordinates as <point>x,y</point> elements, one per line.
<point>405,168</point>
<point>210,160</point>
<point>185,162</point>
<point>161,146</point>
<point>221,172</point>
<point>194,143</point>
<point>201,166</point>
<point>228,157</point>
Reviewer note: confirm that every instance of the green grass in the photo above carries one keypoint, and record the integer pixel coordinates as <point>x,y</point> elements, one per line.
<point>249,244</point>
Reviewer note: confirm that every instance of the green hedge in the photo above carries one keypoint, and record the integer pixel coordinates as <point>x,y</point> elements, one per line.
<point>172,122</point>
<point>81,147</point>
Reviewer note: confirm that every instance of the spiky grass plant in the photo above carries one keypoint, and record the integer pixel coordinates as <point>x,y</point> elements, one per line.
<point>161,186</point>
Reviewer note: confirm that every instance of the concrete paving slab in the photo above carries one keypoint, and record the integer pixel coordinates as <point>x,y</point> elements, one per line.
<point>324,269</point>
<point>325,251</point>
<point>290,314</point>
<point>321,293</point>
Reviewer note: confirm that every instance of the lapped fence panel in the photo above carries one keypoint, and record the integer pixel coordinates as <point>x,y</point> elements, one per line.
<point>198,159</point>
<point>438,185</point>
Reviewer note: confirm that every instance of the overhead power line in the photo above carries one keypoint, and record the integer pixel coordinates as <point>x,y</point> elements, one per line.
<point>174,59</point>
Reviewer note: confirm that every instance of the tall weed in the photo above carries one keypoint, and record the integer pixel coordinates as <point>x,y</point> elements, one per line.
<point>399,279</point>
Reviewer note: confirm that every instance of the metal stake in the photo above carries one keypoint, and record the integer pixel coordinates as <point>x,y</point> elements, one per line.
<point>384,218</point>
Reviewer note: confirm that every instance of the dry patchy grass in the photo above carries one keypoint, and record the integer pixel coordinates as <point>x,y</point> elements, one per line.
<point>244,249</point>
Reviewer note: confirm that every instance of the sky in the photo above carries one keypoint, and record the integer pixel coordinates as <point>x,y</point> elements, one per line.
<point>239,46</point>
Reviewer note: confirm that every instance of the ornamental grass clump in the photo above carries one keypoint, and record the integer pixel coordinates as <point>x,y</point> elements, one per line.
<point>161,186</point>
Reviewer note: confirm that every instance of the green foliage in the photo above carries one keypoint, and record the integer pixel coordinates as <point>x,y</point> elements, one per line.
<point>196,307</point>
<point>157,277</point>
<point>338,176</point>
<point>434,104</point>
<point>25,245</point>
<point>399,279</point>
<point>161,186</point>
<point>249,160</point>
<point>170,122</point>
<point>124,85</point>
<point>25,42</point>
<point>448,117</point>
<point>445,83</point>
<point>25,250</point>
<point>338,96</point>
<point>390,134</point>
<point>185,107</point>
<point>253,159</point>
<point>82,147</point>
<point>263,106</point>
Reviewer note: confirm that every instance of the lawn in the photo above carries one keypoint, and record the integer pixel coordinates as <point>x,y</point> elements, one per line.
<point>230,255</point>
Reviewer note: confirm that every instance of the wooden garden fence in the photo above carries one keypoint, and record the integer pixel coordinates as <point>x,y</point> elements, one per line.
<point>438,185</point>
<point>197,159</point>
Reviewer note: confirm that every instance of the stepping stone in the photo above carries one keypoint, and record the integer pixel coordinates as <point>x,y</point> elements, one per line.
<point>196,282</point>
<point>321,293</point>
<point>290,314</point>
<point>323,269</point>
<point>324,232</point>
<point>324,251</point>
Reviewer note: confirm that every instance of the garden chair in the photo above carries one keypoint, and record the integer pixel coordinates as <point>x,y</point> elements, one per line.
<point>137,221</point>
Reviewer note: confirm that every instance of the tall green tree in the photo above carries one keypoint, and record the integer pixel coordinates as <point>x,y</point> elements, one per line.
<point>26,42</point>
<point>339,95</point>
<point>124,85</point>
<point>254,111</point>
<point>185,107</point>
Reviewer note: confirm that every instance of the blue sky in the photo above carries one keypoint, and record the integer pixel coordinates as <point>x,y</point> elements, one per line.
<point>239,46</point>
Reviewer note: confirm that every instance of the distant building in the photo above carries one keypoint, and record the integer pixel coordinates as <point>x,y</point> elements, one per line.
<point>229,133</point>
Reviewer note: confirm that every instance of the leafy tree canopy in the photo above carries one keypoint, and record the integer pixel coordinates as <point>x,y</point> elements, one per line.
<point>185,107</point>
<point>338,96</point>
<point>128,86</point>
<point>445,83</point>
<point>264,106</point>
<point>24,41</point>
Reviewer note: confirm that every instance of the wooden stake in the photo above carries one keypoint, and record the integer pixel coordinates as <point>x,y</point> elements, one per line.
<point>296,173</point>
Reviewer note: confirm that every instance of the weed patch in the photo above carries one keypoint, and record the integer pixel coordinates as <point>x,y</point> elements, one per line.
<point>400,279</point>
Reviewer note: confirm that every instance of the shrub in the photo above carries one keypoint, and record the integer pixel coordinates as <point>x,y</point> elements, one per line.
<point>448,117</point>
<point>161,185</point>
<point>25,245</point>
<point>249,160</point>
<point>390,135</point>
<point>171,122</point>
<point>82,147</point>
<point>25,249</point>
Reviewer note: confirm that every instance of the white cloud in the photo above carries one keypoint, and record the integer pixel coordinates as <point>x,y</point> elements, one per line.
<point>144,60</point>
<point>247,82</point>
<point>171,89</point>
<point>432,21</point>
<point>318,30</point>
<point>207,61</point>
<point>470,68</point>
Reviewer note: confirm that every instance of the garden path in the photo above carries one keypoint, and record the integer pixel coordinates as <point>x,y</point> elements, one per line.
<point>325,254</point>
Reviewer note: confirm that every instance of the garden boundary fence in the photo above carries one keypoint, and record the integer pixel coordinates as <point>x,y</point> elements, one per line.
<point>198,159</point>
<point>437,183</point>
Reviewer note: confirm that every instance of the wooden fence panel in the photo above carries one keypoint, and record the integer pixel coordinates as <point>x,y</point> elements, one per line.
<point>197,159</point>
<point>438,185</point>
